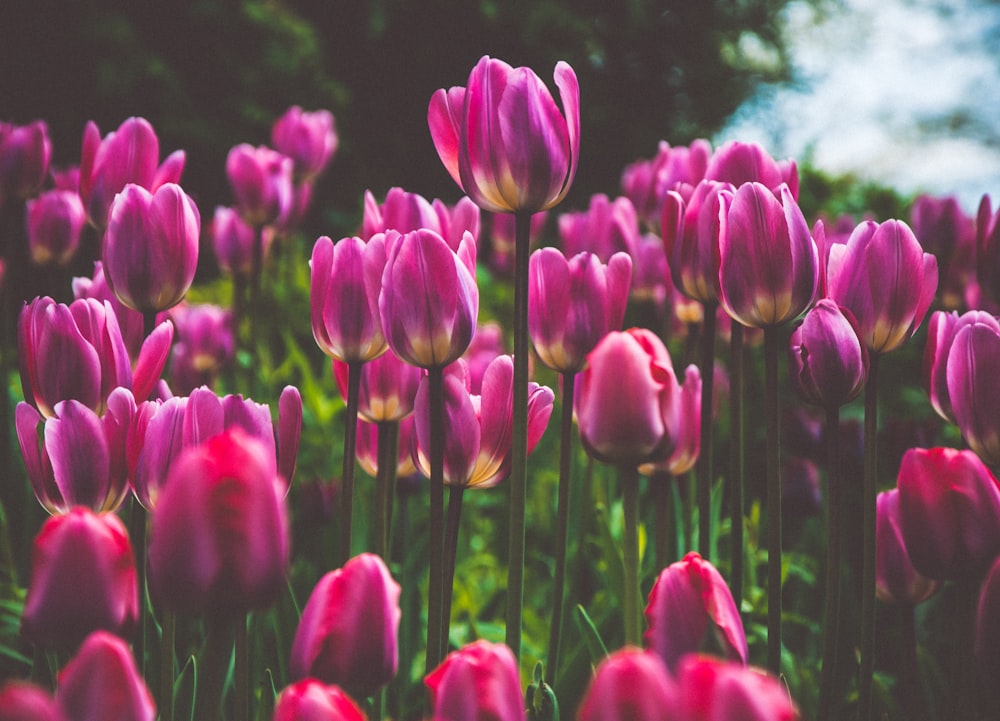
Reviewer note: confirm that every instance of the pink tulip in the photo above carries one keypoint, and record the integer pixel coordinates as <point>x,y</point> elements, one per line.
<point>102,683</point>
<point>896,580</point>
<point>827,361</point>
<point>233,240</point>
<point>127,155</point>
<point>312,700</point>
<point>308,138</point>
<point>55,222</point>
<point>82,579</point>
<point>646,182</point>
<point>25,152</point>
<point>388,387</point>
<point>737,163</point>
<point>23,701</point>
<point>479,682</point>
<point>347,634</point>
<point>405,212</point>
<point>129,321</point>
<point>344,295</point>
<point>943,229</point>
<point>487,344</point>
<point>630,685</point>
<point>690,231</point>
<point>690,607</point>
<point>503,139</point>
<point>573,304</point>
<point>687,442</point>
<point>973,355</point>
<point>429,302</point>
<point>206,344</point>
<point>199,564</point>
<point>261,181</point>
<point>605,228</point>
<point>941,330</point>
<point>712,690</point>
<point>366,449</point>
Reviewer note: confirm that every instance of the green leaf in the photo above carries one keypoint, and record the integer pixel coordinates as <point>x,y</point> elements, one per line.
<point>592,637</point>
<point>186,690</point>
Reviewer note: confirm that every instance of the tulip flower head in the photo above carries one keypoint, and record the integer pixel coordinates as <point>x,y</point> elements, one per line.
<point>630,685</point>
<point>308,138</point>
<point>388,387</point>
<point>25,152</point>
<point>896,580</point>
<point>23,701</point>
<point>971,386</point>
<point>479,682</point>
<point>233,240</point>
<point>503,139</point>
<point>261,181</point>
<point>646,182</point>
<point>690,230</point>
<point>312,700</point>
<point>206,344</point>
<point>712,689</point>
<point>737,162</point>
<point>988,248</point>
<point>405,212</point>
<point>605,228</point>
<point>103,682</point>
<point>55,222</point>
<point>941,330</point>
<point>826,358</point>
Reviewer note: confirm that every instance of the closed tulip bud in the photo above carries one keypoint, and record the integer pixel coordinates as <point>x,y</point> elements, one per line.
<point>347,634</point>
<point>312,700</point>
<point>199,564</point>
<point>25,152</point>
<point>711,689</point>
<point>605,228</point>
<point>127,155</point>
<point>102,683</point>
<point>737,163</point>
<point>308,138</point>
<point>23,701</point>
<point>429,302</point>
<point>628,399</point>
<point>768,262</point>
<point>206,344</point>
<point>690,608</point>
<point>826,358</point>
<point>261,181</point>
<point>503,139</point>
<point>344,295</point>
<point>972,387</point>
<point>388,387</point>
<point>690,231</point>
<point>479,682</point>
<point>82,579</point>
<point>630,685</point>
<point>896,580</point>
<point>949,503</point>
<point>885,279</point>
<point>573,304</point>
<point>233,239</point>
<point>55,221</point>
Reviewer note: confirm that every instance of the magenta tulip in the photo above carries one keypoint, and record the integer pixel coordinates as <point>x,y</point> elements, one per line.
<point>405,212</point>
<point>687,441</point>
<point>972,389</point>
<point>768,263</point>
<point>25,152</point>
<point>737,163</point>
<point>949,503</point>
<point>712,690</point>
<point>102,683</point>
<point>366,449</point>
<point>605,228</point>
<point>690,231</point>
<point>943,228</point>
<point>344,294</point>
<point>503,139</point>
<point>826,358</point>
<point>885,279</point>
<point>127,155</point>
<point>308,138</point>
<point>479,682</point>
<point>429,301</point>
<point>129,321</point>
<point>23,701</point>
<point>55,222</point>
<point>941,330</point>
<point>347,634</point>
<point>487,344</point>
<point>646,182</point>
<point>388,387</point>
<point>690,608</point>
<point>233,240</point>
<point>261,181</point>
<point>312,700</point>
<point>82,579</point>
<point>573,304</point>
<point>897,581</point>
<point>988,248</point>
<point>206,344</point>
<point>630,685</point>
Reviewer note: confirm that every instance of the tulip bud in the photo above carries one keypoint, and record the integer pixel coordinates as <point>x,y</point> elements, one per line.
<point>646,182</point>
<point>22,701</point>
<point>736,162</point>
<point>826,358</point>
<point>82,579</point>
<point>312,700</point>
<point>605,228</point>
<point>261,181</point>
<point>233,240</point>
<point>630,685</point>
<point>308,138</point>
<point>55,221</point>
<point>690,230</point>
<point>479,682</point>
<point>896,580</point>
<point>25,152</point>
<point>102,683</point>
<point>711,689</point>
<point>973,355</point>
<point>347,634</point>
<point>206,344</point>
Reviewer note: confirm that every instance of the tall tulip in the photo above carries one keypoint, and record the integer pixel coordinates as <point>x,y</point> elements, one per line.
<point>971,385</point>
<point>308,138</point>
<point>630,685</point>
<point>479,682</point>
<point>312,700</point>
<point>261,181</point>
<point>101,683</point>
<point>827,360</point>
<point>55,222</point>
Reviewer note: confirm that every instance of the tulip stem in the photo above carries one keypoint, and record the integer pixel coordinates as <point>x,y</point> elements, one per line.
<point>256,270</point>
<point>911,693</point>
<point>629,480</point>
<point>868,577</point>
<point>519,447</point>
<point>831,602</point>
<point>562,524</point>
<point>215,666</point>
<point>661,483</point>
<point>388,452</point>
<point>241,670</point>
<point>455,494</point>
<point>705,460</point>
<point>774,566</point>
<point>167,634</point>
<point>736,462</point>
<point>347,477</point>
<point>435,591</point>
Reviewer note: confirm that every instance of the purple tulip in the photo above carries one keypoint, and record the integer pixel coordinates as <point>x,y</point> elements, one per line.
<point>102,683</point>
<point>233,239</point>
<point>687,439</point>
<point>55,221</point>
<point>503,139</point>
<point>690,608</point>
<point>896,580</point>
<point>942,228</point>
<point>405,212</point>
<point>347,634</point>
<point>949,504</point>
<point>219,533</point>
<point>972,389</point>
<point>312,700</point>
<point>366,449</point>
<point>646,182</point>
<point>768,263</point>
<point>486,345</point>
<point>206,344</point>
<point>23,701</point>
<point>344,294</point>
<point>129,321</point>
<point>630,685</point>
<point>79,460</point>
<point>605,228</point>
<point>127,155</point>
<point>261,181</point>
<point>308,138</point>
<point>826,358</point>
<point>941,330</point>
<point>388,387</point>
<point>25,152</point>
<point>988,248</point>
<point>573,304</point>
<point>711,690</point>
<point>477,449</point>
<point>429,302</point>
<point>885,279</point>
<point>690,231</point>
<point>479,682</point>
<point>82,579</point>
<point>738,163</point>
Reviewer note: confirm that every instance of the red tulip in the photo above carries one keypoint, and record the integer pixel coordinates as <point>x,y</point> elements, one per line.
<point>630,685</point>
<point>896,580</point>
<point>479,682</point>
<point>23,701</point>
<point>712,690</point>
<point>312,700</point>
<point>102,683</point>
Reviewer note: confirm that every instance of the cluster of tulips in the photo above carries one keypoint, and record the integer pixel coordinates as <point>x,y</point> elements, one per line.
<point>703,238</point>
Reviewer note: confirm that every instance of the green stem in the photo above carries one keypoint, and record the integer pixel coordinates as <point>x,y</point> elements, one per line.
<point>256,270</point>
<point>705,459</point>
<point>385,482</point>
<point>455,494</point>
<point>137,532</point>
<point>869,492</point>
<point>629,480</point>
<point>661,483</point>
<point>241,670</point>
<point>736,460</point>
<point>167,635</point>
<point>435,592</point>
<point>773,413</point>
<point>214,668</point>
<point>911,691</point>
<point>519,447</point>
<point>831,602</point>
<point>350,445</point>
<point>562,525</point>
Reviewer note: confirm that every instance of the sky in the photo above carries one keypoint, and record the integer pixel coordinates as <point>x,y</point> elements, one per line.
<point>904,92</point>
